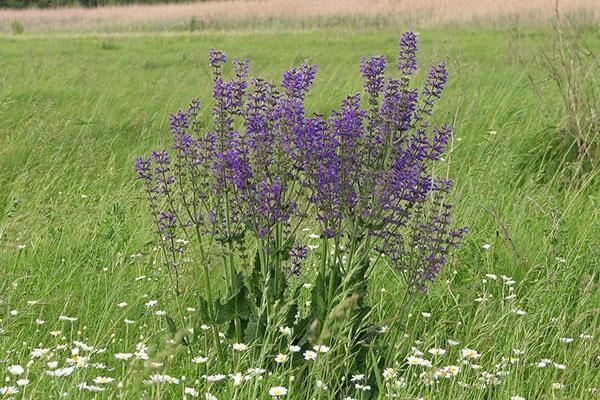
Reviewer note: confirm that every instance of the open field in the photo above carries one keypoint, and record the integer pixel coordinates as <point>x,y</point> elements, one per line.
<point>288,14</point>
<point>78,256</point>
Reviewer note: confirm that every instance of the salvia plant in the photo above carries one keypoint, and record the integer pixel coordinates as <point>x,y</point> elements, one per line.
<point>242,191</point>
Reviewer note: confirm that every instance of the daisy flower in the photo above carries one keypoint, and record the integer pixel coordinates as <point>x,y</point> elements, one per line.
<point>123,356</point>
<point>8,390</point>
<point>191,391</point>
<point>285,330</point>
<point>103,379</point>
<point>239,347</point>
<point>436,352</point>
<point>469,353</point>
<point>321,348</point>
<point>277,391</point>
<point>281,358</point>
<point>16,370</point>
<point>199,360</point>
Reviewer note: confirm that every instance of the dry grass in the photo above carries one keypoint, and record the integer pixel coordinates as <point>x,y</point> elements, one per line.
<point>280,14</point>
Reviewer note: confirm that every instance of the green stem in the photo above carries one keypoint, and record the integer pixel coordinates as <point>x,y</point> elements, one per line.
<point>278,271</point>
<point>324,251</point>
<point>227,272</point>
<point>264,270</point>
<point>211,315</point>
<point>333,269</point>
<point>263,260</point>
<point>232,270</point>
<point>237,322</point>
<point>406,301</point>
<point>351,253</point>
<point>209,298</point>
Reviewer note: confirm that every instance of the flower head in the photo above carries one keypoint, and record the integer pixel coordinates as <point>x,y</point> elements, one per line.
<point>277,391</point>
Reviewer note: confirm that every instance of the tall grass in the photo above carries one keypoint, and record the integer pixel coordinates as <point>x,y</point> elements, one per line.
<point>288,14</point>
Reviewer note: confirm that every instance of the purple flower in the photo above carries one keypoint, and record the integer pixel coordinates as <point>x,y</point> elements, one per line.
<point>297,255</point>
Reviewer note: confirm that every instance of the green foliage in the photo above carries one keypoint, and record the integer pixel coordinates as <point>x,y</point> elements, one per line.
<point>108,45</point>
<point>572,67</point>
<point>17,28</point>
<point>194,24</point>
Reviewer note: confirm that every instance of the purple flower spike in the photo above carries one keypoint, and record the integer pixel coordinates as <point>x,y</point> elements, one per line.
<point>372,71</point>
<point>407,58</point>
<point>143,167</point>
<point>297,81</point>
<point>178,122</point>
<point>216,58</point>
<point>436,79</point>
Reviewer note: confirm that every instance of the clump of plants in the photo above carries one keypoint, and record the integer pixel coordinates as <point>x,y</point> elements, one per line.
<point>17,27</point>
<point>573,68</point>
<point>243,192</point>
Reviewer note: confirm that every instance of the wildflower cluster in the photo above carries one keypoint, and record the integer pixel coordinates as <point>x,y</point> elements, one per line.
<point>264,170</point>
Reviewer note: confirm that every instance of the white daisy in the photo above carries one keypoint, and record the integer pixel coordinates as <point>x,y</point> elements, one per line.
<point>277,391</point>
<point>469,353</point>
<point>151,303</point>
<point>123,356</point>
<point>436,352</point>
<point>16,370</point>
<point>321,348</point>
<point>285,330</point>
<point>215,378</point>
<point>281,358</point>
<point>8,390</point>
<point>191,391</point>
<point>103,379</point>
<point>239,347</point>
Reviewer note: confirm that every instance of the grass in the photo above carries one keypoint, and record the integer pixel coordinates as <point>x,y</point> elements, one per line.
<point>75,237</point>
<point>288,14</point>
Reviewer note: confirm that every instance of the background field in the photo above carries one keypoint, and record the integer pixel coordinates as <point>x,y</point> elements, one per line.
<point>75,234</point>
<point>295,14</point>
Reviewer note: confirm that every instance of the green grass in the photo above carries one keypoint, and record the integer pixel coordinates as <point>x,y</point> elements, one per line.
<point>75,111</point>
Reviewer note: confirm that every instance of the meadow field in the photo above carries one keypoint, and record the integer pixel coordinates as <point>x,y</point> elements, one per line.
<point>84,295</point>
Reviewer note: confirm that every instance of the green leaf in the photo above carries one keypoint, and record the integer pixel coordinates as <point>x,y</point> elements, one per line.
<point>302,330</point>
<point>254,280</point>
<point>377,372</point>
<point>225,311</point>
<point>203,310</point>
<point>171,325</point>
<point>176,334</point>
<point>237,305</point>
<point>282,284</point>
<point>256,328</point>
